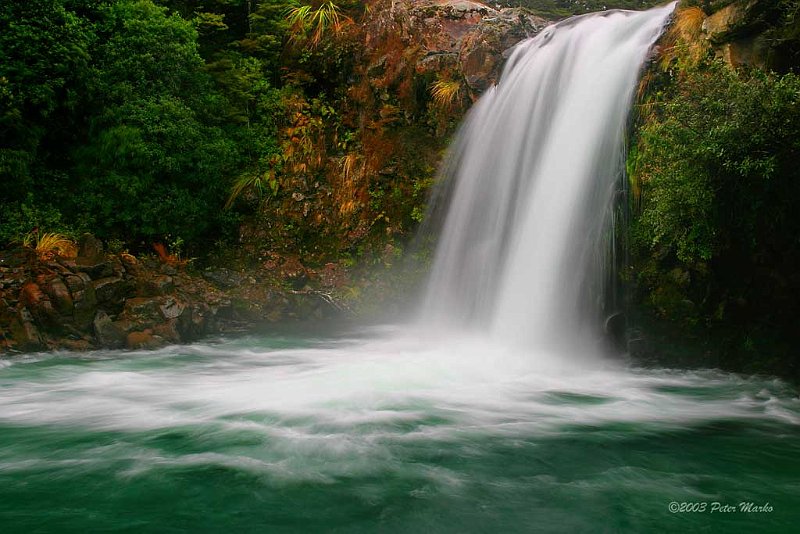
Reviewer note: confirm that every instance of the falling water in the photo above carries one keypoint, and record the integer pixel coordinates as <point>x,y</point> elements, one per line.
<point>532,178</point>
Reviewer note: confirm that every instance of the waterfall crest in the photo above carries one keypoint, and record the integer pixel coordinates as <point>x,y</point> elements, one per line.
<point>531,179</point>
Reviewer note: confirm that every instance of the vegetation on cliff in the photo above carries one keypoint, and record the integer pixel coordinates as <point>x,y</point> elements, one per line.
<point>139,120</point>
<point>715,181</point>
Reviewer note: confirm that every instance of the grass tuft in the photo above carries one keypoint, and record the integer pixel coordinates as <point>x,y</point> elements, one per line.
<point>50,245</point>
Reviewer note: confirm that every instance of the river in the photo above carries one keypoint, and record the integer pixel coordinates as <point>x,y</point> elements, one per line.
<point>387,430</point>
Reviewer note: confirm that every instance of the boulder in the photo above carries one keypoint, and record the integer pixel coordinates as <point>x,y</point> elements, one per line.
<point>83,298</point>
<point>168,331</point>
<point>156,285</point>
<point>25,335</point>
<point>130,263</point>
<point>60,296</point>
<point>143,312</point>
<point>294,273</point>
<point>197,320</point>
<point>112,291</point>
<point>740,32</point>
<point>144,340</point>
<point>223,278</point>
<point>733,18</point>
<point>39,305</point>
<point>96,269</point>
<point>90,248</point>
<point>171,308</point>
<point>106,332</point>
<point>470,35</point>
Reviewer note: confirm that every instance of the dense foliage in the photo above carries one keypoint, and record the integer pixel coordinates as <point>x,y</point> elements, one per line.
<point>177,120</point>
<point>715,237</point>
<point>110,122</point>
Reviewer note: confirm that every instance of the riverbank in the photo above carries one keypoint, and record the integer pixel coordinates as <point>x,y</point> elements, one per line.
<point>104,300</point>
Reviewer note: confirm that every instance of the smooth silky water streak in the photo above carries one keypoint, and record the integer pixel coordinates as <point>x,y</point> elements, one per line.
<point>532,178</point>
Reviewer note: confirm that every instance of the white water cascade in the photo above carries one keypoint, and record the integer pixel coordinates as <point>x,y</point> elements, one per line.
<point>531,181</point>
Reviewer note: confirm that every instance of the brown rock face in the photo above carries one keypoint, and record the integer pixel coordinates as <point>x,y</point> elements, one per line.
<point>720,25</point>
<point>144,340</point>
<point>39,305</point>
<point>46,305</point>
<point>24,332</point>
<point>108,334</point>
<point>470,36</point>
<point>459,38</point>
<point>60,296</point>
<point>84,299</point>
<point>90,248</point>
<point>112,291</point>
<point>740,32</point>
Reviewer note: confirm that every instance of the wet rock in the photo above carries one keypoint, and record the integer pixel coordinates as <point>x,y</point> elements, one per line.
<point>294,272</point>
<point>14,258</point>
<point>112,291</point>
<point>107,333</point>
<point>615,327</point>
<point>478,65</point>
<point>83,298</point>
<point>25,335</point>
<point>724,22</point>
<point>305,305</point>
<point>639,346</point>
<point>469,35</point>
<point>155,286</point>
<point>145,312</point>
<point>168,269</point>
<point>144,340</point>
<point>223,278</point>
<point>42,310</point>
<point>168,331</point>
<point>130,263</point>
<point>76,344</point>
<point>126,326</point>
<point>333,275</point>
<point>198,320</point>
<point>171,308</point>
<point>60,296</point>
<point>90,248</point>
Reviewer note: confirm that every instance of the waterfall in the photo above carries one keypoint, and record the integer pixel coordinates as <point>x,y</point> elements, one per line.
<point>530,184</point>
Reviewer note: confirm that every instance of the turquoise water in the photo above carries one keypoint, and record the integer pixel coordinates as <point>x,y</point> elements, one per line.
<point>384,431</point>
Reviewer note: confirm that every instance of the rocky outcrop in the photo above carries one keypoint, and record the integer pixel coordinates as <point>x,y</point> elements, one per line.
<point>469,36</point>
<point>467,39</point>
<point>101,300</point>
<point>753,33</point>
